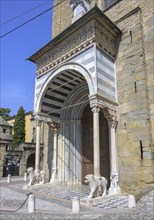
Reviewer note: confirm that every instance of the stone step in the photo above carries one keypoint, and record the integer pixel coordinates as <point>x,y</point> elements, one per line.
<point>107,202</point>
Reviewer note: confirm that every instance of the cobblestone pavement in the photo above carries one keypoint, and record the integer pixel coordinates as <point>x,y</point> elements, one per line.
<point>55,203</point>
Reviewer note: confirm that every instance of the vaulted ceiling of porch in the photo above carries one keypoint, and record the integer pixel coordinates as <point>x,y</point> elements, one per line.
<point>60,90</point>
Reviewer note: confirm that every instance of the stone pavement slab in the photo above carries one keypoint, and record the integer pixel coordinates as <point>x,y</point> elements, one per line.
<point>55,203</point>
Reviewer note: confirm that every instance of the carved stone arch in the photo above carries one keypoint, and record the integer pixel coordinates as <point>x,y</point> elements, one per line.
<point>67,66</point>
<point>79,95</point>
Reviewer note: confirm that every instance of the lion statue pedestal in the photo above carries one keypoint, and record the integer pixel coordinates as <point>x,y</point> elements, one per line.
<point>98,186</point>
<point>35,178</point>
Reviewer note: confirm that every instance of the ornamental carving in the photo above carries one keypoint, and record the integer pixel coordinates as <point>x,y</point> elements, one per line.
<point>96,100</point>
<point>68,47</point>
<point>41,117</point>
<point>80,40</point>
<point>110,115</point>
<point>96,109</point>
<point>105,39</point>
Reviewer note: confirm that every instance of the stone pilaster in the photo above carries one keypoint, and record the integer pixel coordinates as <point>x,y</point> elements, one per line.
<point>55,149</point>
<point>110,115</point>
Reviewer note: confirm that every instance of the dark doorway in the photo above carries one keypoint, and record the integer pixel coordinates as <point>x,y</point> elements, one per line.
<point>11,165</point>
<point>87,144</point>
<point>31,161</point>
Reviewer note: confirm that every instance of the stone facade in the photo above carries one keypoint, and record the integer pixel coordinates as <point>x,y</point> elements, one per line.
<point>130,112</point>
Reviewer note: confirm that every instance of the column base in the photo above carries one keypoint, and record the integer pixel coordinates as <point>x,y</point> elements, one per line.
<point>113,190</point>
<point>55,182</point>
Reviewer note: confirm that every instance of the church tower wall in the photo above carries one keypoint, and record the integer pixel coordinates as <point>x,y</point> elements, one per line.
<point>135,84</point>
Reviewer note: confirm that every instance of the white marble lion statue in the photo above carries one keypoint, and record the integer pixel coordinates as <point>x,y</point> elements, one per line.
<point>98,186</point>
<point>35,177</point>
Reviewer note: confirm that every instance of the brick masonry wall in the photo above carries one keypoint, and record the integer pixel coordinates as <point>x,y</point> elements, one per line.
<point>135,84</point>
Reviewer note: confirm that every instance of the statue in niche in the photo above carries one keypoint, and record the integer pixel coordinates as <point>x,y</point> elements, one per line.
<point>80,6</point>
<point>98,186</point>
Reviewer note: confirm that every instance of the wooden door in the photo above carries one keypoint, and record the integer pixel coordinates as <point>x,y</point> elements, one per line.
<point>87,144</point>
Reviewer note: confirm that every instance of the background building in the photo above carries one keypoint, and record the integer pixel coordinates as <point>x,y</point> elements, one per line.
<point>25,152</point>
<point>28,126</point>
<point>6,140</point>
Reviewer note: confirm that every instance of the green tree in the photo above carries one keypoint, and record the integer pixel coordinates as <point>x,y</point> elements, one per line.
<point>19,128</point>
<point>4,112</point>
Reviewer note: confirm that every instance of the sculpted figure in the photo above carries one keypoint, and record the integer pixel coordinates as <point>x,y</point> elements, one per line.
<point>114,180</point>
<point>98,186</point>
<point>114,187</point>
<point>53,177</point>
<point>42,177</point>
<point>35,177</point>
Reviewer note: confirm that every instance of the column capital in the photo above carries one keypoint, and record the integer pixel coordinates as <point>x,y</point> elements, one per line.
<point>112,124</point>
<point>38,122</point>
<point>55,127</point>
<point>42,117</point>
<point>95,109</point>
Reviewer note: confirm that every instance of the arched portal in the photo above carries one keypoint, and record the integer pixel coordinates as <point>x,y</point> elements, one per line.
<point>64,100</point>
<point>87,144</point>
<point>59,84</point>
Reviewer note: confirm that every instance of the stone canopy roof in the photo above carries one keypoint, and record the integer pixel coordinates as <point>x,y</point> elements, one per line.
<point>92,27</point>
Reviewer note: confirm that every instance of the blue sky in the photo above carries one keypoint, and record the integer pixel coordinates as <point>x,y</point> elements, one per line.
<point>17,75</point>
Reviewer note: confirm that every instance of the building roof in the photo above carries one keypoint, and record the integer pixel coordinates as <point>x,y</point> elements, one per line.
<point>4,123</point>
<point>13,117</point>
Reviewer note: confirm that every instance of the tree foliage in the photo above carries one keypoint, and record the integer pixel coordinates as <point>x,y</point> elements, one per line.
<point>19,128</point>
<point>4,112</point>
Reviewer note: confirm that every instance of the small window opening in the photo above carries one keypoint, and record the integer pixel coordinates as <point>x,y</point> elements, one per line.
<point>135,86</point>
<point>125,126</point>
<point>141,150</point>
<point>131,38</point>
<point>4,130</point>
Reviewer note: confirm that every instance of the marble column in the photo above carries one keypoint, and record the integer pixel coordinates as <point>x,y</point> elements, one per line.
<point>37,153</point>
<point>54,165</point>
<point>114,187</point>
<point>96,141</point>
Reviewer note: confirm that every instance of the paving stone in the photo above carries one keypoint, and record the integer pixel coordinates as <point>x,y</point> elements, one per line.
<point>50,208</point>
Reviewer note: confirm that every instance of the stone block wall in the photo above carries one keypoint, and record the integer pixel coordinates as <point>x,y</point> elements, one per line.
<point>135,84</point>
<point>62,15</point>
<point>2,154</point>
